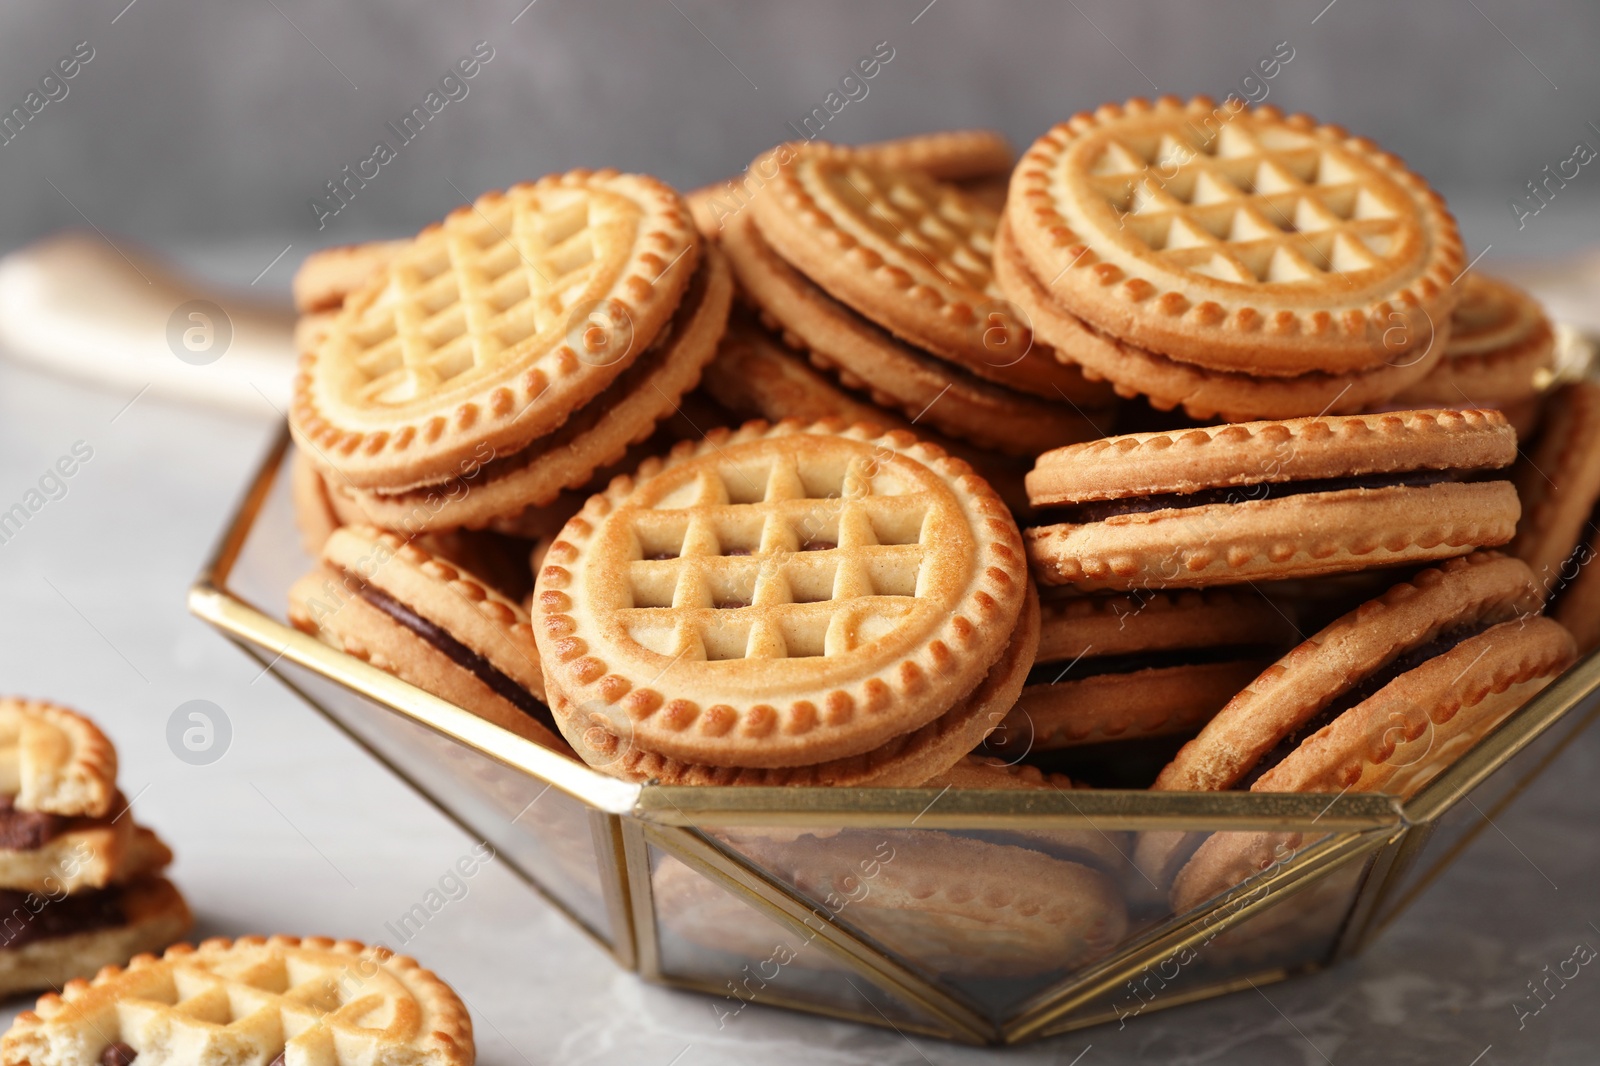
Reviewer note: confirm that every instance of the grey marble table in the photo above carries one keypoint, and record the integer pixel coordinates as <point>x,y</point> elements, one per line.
<point>295,830</point>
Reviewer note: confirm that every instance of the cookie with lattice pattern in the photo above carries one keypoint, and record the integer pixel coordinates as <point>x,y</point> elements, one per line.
<point>1235,238</point>
<point>781,595</point>
<point>494,325</point>
<point>251,1000</point>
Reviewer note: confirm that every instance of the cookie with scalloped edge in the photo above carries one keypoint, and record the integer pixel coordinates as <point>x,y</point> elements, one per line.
<point>249,1000</point>
<point>910,254</point>
<point>970,159</point>
<point>781,595</point>
<point>1559,482</point>
<point>504,486</point>
<point>1201,392</point>
<point>1233,237</point>
<point>494,325</point>
<point>865,357</point>
<point>1268,500</point>
<point>430,622</point>
<point>1397,739</point>
<point>905,761</point>
<point>1500,352</point>
<point>1126,667</point>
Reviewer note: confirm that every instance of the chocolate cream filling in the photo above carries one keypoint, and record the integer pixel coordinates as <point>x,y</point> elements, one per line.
<point>27,917</point>
<point>1100,510</point>
<point>463,656</point>
<point>585,417</point>
<point>1363,691</point>
<point>27,830</point>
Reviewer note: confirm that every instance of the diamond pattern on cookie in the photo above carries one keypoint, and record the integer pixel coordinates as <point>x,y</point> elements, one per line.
<point>1236,238</point>
<point>780,596</point>
<point>247,1001</point>
<point>495,324</point>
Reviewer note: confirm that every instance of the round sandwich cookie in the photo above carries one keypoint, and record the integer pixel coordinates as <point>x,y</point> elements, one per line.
<point>1204,393</point>
<point>1380,700</point>
<point>976,160</point>
<point>61,928</point>
<point>1235,238</point>
<point>957,906</point>
<point>429,622</point>
<point>1500,352</point>
<point>1560,487</point>
<point>1117,672</point>
<point>867,358</point>
<point>469,341</point>
<point>1272,500</point>
<point>512,492</point>
<point>756,375</point>
<point>779,595</point>
<point>906,761</point>
<point>281,999</point>
<point>911,254</point>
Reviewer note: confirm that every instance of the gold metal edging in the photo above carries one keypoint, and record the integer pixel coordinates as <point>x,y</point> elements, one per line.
<point>606,833</point>
<point>1180,999</point>
<point>1315,862</point>
<point>621,952</point>
<point>753,886</point>
<point>641,899</point>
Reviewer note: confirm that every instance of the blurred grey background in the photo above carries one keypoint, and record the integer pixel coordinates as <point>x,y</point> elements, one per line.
<point>209,122</point>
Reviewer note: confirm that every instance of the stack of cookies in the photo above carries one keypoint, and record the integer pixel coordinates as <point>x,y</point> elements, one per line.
<point>80,883</point>
<point>507,353</point>
<point>881,277</point>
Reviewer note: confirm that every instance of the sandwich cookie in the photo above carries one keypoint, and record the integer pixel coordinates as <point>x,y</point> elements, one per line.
<point>430,623</point>
<point>513,493</point>
<point>1560,487</point>
<point>252,1000</point>
<point>1235,238</point>
<point>1120,676</point>
<point>779,596</point>
<point>956,906</point>
<point>80,883</point>
<point>469,344</point>
<point>974,160</point>
<point>905,761</point>
<point>1201,392</point>
<point>756,375</point>
<point>1272,500</point>
<point>1379,701</point>
<point>1500,353</point>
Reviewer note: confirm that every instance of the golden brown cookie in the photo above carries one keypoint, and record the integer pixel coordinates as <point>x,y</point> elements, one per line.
<point>428,621</point>
<point>1201,392</point>
<point>1501,347</point>
<point>1559,482</point>
<point>1125,667</point>
<point>254,999</point>
<point>501,488</point>
<point>905,761</point>
<point>494,325</point>
<point>1272,500</point>
<point>1232,237</point>
<point>912,255</point>
<point>781,595</point>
